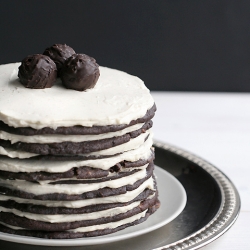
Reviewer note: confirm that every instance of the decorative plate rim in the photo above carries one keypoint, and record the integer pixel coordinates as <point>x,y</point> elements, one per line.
<point>227,213</point>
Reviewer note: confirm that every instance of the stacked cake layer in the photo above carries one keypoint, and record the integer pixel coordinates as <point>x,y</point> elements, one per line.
<point>75,164</point>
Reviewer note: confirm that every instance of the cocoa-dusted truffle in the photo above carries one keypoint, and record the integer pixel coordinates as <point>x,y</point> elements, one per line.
<point>59,53</point>
<point>80,72</point>
<point>37,72</point>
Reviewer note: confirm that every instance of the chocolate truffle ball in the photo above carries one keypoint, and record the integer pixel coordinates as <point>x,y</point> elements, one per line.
<point>37,72</point>
<point>80,72</point>
<point>59,53</point>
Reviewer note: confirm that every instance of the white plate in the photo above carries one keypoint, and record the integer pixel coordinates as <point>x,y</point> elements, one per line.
<point>173,200</point>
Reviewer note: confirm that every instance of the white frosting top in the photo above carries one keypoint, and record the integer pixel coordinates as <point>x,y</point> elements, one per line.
<point>117,98</point>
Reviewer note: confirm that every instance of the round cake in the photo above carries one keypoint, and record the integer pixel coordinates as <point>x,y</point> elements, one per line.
<point>75,164</point>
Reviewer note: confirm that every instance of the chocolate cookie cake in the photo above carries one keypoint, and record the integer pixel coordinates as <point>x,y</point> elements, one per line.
<point>74,161</point>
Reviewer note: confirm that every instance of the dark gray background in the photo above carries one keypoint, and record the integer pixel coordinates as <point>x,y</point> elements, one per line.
<point>172,45</point>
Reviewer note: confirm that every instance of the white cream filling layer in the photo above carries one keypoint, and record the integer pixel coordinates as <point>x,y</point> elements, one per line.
<point>111,224</point>
<point>117,98</point>
<point>132,144</point>
<point>65,138</point>
<point>76,189</point>
<point>12,153</point>
<point>13,227</point>
<point>16,165</point>
<point>96,227</point>
<point>60,218</point>
<point>122,198</point>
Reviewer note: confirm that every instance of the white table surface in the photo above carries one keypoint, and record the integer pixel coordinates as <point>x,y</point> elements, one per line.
<point>216,127</point>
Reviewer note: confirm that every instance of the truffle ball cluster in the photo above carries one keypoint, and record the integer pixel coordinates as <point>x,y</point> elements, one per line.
<point>77,71</point>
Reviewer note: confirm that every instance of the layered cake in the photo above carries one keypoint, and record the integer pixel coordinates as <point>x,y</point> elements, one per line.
<point>75,163</point>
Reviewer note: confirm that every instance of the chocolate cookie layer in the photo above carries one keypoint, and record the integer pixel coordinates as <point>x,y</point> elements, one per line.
<point>83,172</point>
<point>75,148</point>
<point>103,192</point>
